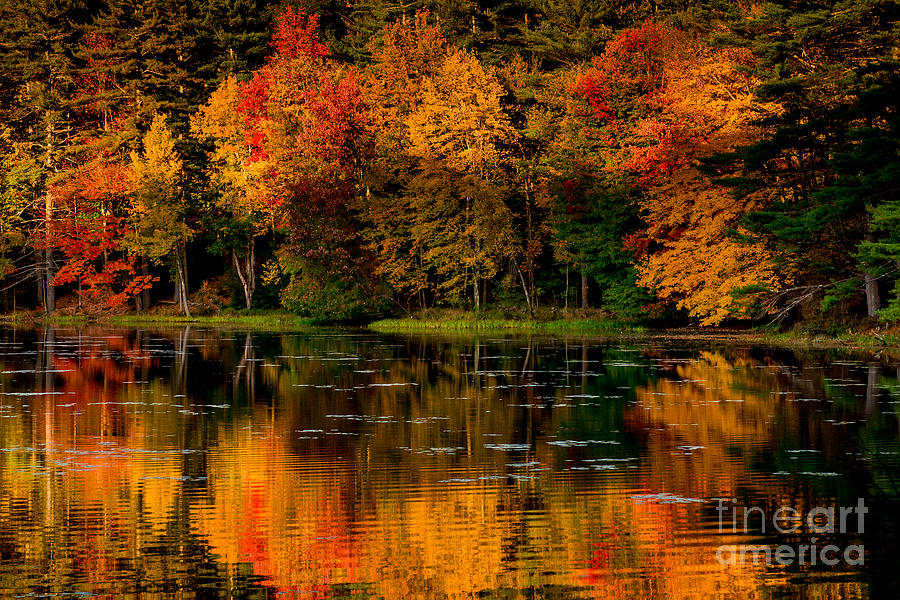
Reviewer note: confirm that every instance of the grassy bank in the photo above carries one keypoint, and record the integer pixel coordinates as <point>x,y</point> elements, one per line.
<point>276,320</point>
<point>261,320</point>
<point>412,325</point>
<point>599,324</point>
<point>871,339</point>
<point>462,322</point>
<point>506,318</point>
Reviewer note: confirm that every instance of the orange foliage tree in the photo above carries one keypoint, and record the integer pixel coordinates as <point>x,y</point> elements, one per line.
<point>670,103</point>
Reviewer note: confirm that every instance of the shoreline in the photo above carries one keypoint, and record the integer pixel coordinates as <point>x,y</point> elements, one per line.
<point>872,342</point>
<point>470,324</point>
<point>274,319</point>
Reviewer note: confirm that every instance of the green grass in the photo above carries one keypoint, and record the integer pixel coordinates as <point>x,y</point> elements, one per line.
<point>474,324</point>
<point>859,335</point>
<point>273,320</point>
<point>262,320</point>
<point>64,320</point>
<point>861,340</point>
<point>15,318</point>
<point>30,319</point>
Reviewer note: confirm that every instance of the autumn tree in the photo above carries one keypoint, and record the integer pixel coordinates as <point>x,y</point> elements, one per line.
<point>159,208</point>
<point>667,103</point>
<point>439,218</point>
<point>88,231</point>
<point>697,252</point>
<point>459,133</point>
<point>86,241</point>
<point>410,53</point>
<point>331,272</point>
<point>239,182</point>
<point>290,149</point>
<point>488,153</point>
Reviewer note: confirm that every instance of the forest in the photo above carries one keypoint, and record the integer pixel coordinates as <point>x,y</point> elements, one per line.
<point>676,161</point>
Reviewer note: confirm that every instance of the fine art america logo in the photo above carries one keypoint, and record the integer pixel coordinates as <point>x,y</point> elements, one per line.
<point>825,521</point>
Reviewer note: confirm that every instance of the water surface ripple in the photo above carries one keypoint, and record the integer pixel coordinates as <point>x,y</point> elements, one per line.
<point>203,463</point>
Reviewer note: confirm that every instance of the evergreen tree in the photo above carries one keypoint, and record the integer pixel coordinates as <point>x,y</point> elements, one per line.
<point>37,44</point>
<point>831,70</point>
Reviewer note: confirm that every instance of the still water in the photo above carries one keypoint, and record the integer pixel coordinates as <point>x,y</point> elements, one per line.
<point>202,463</point>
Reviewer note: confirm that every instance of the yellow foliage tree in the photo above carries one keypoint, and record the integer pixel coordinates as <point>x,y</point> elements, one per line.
<point>457,136</point>
<point>158,207</point>
<point>411,53</point>
<point>460,120</point>
<point>237,178</point>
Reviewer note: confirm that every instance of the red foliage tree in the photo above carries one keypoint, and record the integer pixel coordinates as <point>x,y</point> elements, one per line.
<point>295,36</point>
<point>86,240</point>
<point>85,230</point>
<point>339,121</point>
<point>629,73</point>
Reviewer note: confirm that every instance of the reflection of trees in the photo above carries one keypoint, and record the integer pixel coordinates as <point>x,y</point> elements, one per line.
<point>716,421</point>
<point>313,462</point>
<point>179,379</point>
<point>246,368</point>
<point>302,523</point>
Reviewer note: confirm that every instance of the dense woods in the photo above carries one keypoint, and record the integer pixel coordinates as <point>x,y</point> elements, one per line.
<point>691,161</point>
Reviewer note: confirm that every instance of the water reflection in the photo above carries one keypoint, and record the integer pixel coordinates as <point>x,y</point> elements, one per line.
<point>326,464</point>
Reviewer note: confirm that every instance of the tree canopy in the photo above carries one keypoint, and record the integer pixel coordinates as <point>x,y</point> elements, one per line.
<point>702,161</point>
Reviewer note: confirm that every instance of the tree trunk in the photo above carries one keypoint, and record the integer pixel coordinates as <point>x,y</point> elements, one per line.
<point>532,241</point>
<point>49,271</point>
<point>475,293</point>
<point>177,299</point>
<point>247,274</point>
<point>184,279</point>
<point>181,284</point>
<point>146,300</point>
<point>584,290</point>
<point>41,279</point>
<point>873,299</point>
<point>251,269</point>
<point>245,285</point>
<point>524,289</point>
<point>49,266</point>
<point>49,288</point>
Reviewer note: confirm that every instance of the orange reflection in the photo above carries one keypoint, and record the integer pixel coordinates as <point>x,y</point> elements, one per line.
<point>310,469</point>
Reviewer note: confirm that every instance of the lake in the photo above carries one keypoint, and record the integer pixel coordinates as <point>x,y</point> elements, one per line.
<point>330,463</point>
